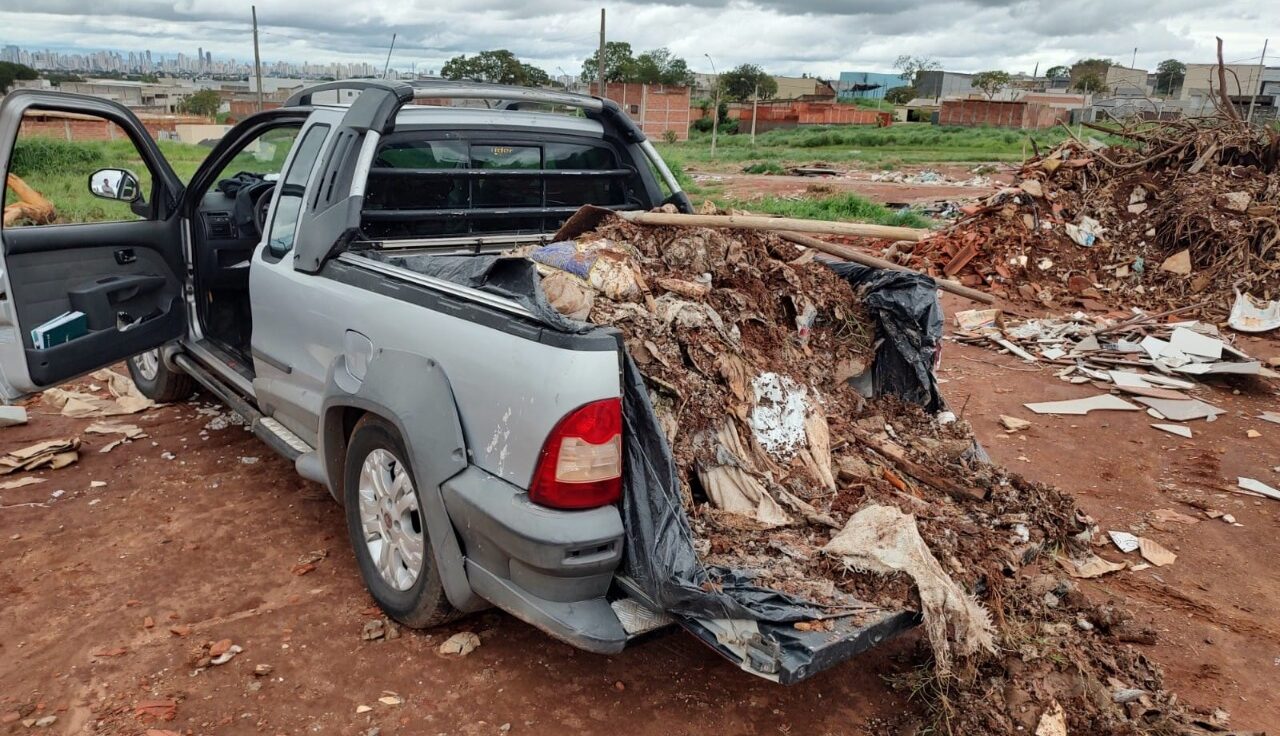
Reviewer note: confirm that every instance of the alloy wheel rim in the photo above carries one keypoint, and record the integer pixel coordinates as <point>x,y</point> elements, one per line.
<point>390,520</point>
<point>148,364</point>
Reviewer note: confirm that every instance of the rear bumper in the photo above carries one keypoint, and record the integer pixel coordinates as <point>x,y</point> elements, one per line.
<point>549,568</point>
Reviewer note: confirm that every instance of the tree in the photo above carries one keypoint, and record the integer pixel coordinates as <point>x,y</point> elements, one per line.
<point>204,103</point>
<point>741,82</point>
<point>1089,82</point>
<point>1169,76</point>
<point>991,82</point>
<point>900,95</point>
<point>11,72</point>
<point>619,64</point>
<point>1058,72</point>
<point>57,78</point>
<point>660,66</point>
<point>909,66</point>
<point>498,66</point>
<point>1090,75</point>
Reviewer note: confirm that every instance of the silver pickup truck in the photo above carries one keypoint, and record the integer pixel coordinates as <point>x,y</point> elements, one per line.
<point>478,454</point>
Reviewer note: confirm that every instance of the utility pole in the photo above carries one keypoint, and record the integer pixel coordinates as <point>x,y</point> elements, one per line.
<point>257,60</point>
<point>755,105</point>
<point>391,48</point>
<point>1134,64</point>
<point>600,58</point>
<point>1262,66</point>
<point>715,112</point>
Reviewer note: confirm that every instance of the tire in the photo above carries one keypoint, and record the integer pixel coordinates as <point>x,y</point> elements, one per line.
<point>387,529</point>
<point>157,381</point>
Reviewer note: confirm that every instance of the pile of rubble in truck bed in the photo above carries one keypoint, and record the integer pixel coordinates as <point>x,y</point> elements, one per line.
<point>1184,212</point>
<point>750,349</point>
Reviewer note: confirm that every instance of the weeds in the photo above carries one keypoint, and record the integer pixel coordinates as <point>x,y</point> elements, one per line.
<point>836,207</point>
<point>765,167</point>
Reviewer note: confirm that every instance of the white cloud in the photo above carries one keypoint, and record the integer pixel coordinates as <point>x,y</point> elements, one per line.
<point>820,37</point>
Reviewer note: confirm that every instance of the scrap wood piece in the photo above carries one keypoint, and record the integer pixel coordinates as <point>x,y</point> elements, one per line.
<point>756,222</point>
<point>28,480</point>
<point>884,540</point>
<point>898,456</point>
<point>1101,402</point>
<point>31,205</point>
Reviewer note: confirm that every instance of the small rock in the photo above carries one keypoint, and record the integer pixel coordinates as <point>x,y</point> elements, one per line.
<point>248,460</point>
<point>363,709</point>
<point>504,728</point>
<point>374,629</point>
<point>219,648</point>
<point>227,656</point>
<point>166,455</point>
<point>619,686</point>
<point>1229,518</point>
<point>459,645</point>
<point>148,622</point>
<point>1084,624</point>
<point>97,483</point>
<point>390,699</point>
<point>1233,201</point>
<point>262,670</point>
<point>180,630</point>
<point>1051,600</point>
<point>1253,434</point>
<point>46,721</point>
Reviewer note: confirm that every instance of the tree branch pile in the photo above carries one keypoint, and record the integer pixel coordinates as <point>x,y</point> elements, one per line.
<point>1186,211</point>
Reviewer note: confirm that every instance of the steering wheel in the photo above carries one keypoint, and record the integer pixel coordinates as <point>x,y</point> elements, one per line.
<point>261,207</point>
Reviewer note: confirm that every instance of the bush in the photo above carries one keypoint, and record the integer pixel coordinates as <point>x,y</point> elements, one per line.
<point>764,167</point>
<point>35,156</point>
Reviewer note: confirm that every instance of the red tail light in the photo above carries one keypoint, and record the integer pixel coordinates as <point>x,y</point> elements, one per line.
<point>581,462</point>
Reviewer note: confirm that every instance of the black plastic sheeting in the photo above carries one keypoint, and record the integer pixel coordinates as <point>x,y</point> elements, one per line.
<point>660,556</point>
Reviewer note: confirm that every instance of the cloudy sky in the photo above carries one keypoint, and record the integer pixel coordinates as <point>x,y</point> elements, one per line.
<point>821,37</point>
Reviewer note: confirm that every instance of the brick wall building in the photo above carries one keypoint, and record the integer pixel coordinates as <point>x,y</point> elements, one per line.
<point>657,108</point>
<point>999,114</point>
<point>73,127</point>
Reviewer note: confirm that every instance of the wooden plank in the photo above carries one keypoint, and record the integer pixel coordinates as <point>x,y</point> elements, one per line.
<point>756,222</point>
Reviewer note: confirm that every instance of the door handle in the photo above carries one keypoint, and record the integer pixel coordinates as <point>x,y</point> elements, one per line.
<point>125,256</point>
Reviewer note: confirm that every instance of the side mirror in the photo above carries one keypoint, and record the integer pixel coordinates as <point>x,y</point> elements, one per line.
<point>118,184</point>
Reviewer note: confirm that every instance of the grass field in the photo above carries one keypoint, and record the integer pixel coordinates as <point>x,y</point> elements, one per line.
<point>886,148</point>
<point>60,169</point>
<point>848,207</point>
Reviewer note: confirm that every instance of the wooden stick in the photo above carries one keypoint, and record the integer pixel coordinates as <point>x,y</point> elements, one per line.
<point>755,222</point>
<point>850,254</point>
<point>899,457</point>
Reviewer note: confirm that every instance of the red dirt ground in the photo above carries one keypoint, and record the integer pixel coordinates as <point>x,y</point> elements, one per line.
<point>207,540</point>
<point>857,181</point>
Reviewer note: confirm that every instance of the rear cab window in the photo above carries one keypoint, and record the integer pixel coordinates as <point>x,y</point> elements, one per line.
<point>423,184</point>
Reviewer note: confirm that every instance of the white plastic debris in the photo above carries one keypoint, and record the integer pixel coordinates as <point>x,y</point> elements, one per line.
<point>777,420</point>
<point>1252,315</point>
<point>1124,541</point>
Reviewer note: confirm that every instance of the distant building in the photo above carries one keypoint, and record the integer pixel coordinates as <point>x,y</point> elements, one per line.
<point>1201,80</point>
<point>866,85</point>
<point>940,85</point>
<point>657,108</point>
<point>803,88</point>
<point>1121,81</point>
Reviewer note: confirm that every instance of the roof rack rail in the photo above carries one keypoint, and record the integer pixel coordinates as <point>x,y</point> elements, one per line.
<point>455,90</point>
<point>303,96</point>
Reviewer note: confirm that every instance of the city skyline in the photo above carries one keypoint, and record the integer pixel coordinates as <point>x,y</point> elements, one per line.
<point>145,61</point>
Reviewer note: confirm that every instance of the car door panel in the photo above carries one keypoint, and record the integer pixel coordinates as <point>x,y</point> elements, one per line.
<point>126,277</point>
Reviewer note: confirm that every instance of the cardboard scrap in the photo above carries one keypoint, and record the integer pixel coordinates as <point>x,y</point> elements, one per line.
<point>28,480</point>
<point>52,454</point>
<point>1179,263</point>
<point>1083,406</point>
<point>129,431</point>
<point>1154,553</point>
<point>1092,567</point>
<point>126,398</point>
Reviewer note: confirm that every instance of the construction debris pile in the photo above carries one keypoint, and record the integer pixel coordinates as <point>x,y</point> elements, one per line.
<point>1185,212</point>
<point>750,350</point>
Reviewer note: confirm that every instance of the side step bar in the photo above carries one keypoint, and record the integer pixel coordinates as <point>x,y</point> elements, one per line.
<point>276,435</point>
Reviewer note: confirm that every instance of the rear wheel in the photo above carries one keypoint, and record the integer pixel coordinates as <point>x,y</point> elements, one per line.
<point>157,381</point>
<point>387,526</point>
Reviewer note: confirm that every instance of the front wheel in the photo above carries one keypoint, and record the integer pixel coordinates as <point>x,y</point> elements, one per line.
<point>386,523</point>
<point>157,381</point>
